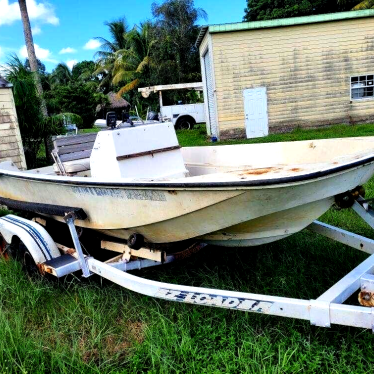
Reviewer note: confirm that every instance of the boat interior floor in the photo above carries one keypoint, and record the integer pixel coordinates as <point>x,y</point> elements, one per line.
<point>249,161</point>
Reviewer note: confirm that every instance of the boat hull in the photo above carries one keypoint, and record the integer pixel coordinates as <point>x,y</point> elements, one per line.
<point>225,215</point>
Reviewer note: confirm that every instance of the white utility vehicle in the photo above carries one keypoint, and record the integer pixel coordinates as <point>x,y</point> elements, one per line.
<point>183,116</point>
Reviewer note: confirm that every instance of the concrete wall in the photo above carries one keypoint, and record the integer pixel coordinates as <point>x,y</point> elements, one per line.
<point>306,70</point>
<point>10,138</point>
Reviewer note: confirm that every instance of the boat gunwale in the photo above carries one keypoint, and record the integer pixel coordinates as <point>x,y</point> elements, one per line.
<point>192,185</point>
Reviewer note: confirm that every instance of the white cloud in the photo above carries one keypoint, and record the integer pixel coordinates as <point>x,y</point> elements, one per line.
<point>71,63</point>
<point>40,11</point>
<point>67,50</point>
<point>1,52</point>
<point>41,53</point>
<point>91,44</point>
<point>36,30</point>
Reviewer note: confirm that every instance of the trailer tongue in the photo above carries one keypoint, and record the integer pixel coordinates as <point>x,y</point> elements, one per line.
<point>58,260</point>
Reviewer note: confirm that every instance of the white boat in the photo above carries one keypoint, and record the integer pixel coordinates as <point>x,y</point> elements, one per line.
<point>139,181</point>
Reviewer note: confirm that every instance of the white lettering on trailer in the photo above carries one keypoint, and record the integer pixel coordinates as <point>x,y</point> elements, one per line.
<point>213,300</point>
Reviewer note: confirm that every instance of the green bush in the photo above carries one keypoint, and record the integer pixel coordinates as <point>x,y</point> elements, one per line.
<point>74,98</point>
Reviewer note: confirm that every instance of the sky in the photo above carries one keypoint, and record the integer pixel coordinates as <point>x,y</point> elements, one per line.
<point>64,30</point>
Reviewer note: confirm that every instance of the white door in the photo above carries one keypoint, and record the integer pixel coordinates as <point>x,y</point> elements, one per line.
<point>210,95</point>
<point>256,112</point>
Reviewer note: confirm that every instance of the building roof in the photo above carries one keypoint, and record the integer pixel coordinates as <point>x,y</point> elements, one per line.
<point>4,83</point>
<point>283,22</point>
<point>115,102</point>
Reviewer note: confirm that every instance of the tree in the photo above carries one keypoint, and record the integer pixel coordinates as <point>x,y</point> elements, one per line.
<point>83,70</point>
<point>41,66</point>
<point>34,127</point>
<point>158,52</point>
<point>132,64</point>
<point>106,55</point>
<point>61,75</point>
<point>176,32</point>
<point>271,9</point>
<point>76,98</point>
<point>31,53</point>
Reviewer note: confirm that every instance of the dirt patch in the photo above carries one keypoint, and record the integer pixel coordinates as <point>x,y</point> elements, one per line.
<point>118,344</point>
<point>137,331</point>
<point>92,355</point>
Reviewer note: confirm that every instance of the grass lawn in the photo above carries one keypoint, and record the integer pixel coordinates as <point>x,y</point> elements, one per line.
<point>93,326</point>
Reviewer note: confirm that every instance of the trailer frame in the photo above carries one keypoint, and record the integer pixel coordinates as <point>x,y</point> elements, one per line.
<point>327,309</point>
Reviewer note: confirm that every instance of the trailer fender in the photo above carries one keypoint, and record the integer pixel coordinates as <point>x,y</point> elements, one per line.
<point>34,237</point>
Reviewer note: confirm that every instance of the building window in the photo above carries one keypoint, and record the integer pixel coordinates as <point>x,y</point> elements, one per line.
<point>362,87</point>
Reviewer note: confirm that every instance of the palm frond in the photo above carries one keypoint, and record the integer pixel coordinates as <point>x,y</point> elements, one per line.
<point>61,74</point>
<point>122,75</point>
<point>366,4</point>
<point>130,86</point>
<point>143,64</point>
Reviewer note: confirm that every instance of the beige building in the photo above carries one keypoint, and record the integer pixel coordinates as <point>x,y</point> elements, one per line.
<point>10,138</point>
<point>270,76</point>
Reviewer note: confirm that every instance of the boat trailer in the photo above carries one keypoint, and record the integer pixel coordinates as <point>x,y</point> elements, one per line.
<point>58,260</point>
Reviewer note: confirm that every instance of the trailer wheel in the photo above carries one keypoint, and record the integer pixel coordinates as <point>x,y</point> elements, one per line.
<point>3,248</point>
<point>19,252</point>
<point>185,123</point>
<point>135,241</point>
<point>29,264</point>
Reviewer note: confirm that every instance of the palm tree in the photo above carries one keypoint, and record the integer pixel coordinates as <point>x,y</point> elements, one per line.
<point>61,75</point>
<point>31,53</point>
<point>366,4</point>
<point>106,55</point>
<point>132,63</point>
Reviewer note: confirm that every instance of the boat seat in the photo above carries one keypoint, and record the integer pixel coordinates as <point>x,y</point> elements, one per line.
<point>72,153</point>
<point>73,167</point>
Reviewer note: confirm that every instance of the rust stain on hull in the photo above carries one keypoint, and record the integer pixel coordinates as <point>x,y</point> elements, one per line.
<point>258,171</point>
<point>261,171</point>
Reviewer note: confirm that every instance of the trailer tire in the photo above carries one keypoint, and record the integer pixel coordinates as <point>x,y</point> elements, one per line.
<point>28,263</point>
<point>135,241</point>
<point>185,123</point>
<point>3,247</point>
<point>19,252</point>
